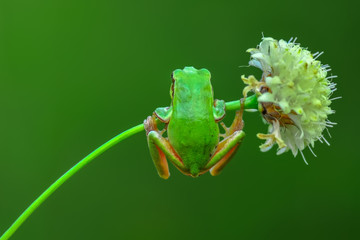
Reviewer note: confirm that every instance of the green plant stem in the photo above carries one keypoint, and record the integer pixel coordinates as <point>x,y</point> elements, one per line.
<point>97,152</point>
<point>250,103</point>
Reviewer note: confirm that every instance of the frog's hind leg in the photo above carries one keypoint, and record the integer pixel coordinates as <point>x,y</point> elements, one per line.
<point>226,151</point>
<point>160,149</point>
<point>228,146</point>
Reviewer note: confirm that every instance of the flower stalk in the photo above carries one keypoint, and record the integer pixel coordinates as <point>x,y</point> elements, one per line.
<point>230,106</point>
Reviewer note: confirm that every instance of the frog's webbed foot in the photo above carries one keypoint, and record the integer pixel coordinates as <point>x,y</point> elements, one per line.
<point>227,147</point>
<point>162,131</point>
<point>237,124</point>
<point>150,125</point>
<point>160,148</point>
<point>226,129</point>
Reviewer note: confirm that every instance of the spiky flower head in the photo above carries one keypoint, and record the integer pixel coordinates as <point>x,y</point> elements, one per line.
<point>293,94</point>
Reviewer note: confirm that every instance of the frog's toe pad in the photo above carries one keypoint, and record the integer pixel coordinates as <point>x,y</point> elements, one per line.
<point>150,124</point>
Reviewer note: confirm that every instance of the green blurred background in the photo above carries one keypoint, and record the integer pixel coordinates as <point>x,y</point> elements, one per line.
<point>75,73</point>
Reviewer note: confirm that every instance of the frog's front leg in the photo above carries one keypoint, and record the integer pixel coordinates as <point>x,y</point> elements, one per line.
<point>160,149</point>
<point>227,147</point>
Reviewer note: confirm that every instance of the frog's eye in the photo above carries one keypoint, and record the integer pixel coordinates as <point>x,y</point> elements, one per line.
<point>205,72</point>
<point>172,86</point>
<point>172,90</point>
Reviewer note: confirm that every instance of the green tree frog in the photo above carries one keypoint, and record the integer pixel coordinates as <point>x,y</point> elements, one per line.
<point>193,139</point>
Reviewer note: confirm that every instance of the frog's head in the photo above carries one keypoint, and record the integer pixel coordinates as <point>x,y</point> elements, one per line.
<point>190,80</point>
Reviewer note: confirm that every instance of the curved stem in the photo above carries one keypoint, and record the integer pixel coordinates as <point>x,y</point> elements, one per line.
<point>20,220</point>
<point>250,103</point>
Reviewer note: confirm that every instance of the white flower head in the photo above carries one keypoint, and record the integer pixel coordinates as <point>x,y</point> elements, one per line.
<point>293,94</point>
